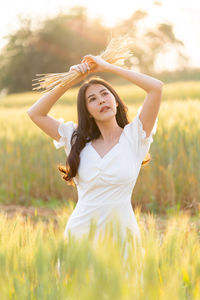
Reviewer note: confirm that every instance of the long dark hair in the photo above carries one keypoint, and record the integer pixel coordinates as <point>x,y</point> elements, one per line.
<point>87,128</point>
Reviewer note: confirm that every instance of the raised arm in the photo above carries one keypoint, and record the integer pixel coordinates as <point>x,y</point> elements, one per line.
<point>151,85</point>
<point>38,112</point>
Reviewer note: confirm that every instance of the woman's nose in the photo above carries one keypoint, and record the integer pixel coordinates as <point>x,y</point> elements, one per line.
<point>101,100</point>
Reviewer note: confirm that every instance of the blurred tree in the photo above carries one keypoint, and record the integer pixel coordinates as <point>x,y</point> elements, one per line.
<point>57,44</point>
<point>61,41</point>
<point>151,42</point>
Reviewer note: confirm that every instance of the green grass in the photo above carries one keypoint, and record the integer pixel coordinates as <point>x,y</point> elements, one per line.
<point>183,90</point>
<point>169,185</point>
<point>168,267</point>
<point>170,182</point>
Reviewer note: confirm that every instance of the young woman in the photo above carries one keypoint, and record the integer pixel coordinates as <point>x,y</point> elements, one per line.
<point>104,151</point>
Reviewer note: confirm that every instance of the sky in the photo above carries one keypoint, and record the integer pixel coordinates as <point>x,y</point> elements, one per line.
<point>184,15</point>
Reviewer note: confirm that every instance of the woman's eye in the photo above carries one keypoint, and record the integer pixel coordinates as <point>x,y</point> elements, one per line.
<point>104,93</point>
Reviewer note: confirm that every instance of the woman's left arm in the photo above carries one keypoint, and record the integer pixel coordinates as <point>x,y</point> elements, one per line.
<point>152,86</point>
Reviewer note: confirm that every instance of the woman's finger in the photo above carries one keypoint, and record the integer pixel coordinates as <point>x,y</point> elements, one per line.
<point>85,67</point>
<point>81,68</point>
<point>89,58</point>
<point>72,68</point>
<point>75,68</point>
<point>83,60</point>
<point>88,67</point>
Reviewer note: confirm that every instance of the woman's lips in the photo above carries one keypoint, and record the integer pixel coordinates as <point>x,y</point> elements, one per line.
<point>105,109</point>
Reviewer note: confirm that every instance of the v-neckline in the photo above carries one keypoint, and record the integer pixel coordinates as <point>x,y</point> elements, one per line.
<point>92,147</point>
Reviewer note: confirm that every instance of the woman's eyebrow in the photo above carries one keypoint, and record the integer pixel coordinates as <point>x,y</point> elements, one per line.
<point>94,94</point>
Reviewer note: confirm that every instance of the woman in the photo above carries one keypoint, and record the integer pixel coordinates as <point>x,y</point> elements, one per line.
<point>105,152</point>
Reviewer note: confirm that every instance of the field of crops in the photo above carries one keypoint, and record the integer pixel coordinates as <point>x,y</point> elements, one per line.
<point>166,201</point>
<point>37,263</point>
<point>170,182</point>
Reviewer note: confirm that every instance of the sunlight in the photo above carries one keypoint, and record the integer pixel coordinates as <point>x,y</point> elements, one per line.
<point>184,17</point>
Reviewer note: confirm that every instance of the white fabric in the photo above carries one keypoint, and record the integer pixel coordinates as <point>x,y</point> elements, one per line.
<point>65,130</point>
<point>105,184</point>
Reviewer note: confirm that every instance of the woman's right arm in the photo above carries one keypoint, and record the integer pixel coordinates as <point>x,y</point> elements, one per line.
<point>38,112</point>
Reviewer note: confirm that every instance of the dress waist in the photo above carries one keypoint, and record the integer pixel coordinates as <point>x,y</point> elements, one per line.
<point>103,203</point>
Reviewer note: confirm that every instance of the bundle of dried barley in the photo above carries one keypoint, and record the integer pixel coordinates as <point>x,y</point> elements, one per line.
<point>118,49</point>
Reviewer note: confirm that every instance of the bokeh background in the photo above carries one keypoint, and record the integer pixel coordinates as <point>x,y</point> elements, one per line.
<point>48,37</point>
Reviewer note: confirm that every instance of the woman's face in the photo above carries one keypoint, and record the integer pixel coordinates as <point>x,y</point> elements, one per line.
<point>98,96</point>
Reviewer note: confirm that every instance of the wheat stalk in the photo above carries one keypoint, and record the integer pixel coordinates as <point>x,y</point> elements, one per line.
<point>118,49</point>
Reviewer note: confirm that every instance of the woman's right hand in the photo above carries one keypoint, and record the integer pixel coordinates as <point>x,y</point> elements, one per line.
<point>81,68</point>
<point>97,63</point>
<point>91,64</point>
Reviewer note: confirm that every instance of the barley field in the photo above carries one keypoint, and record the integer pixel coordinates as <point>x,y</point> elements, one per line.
<point>38,263</point>
<point>170,182</point>
<point>35,204</point>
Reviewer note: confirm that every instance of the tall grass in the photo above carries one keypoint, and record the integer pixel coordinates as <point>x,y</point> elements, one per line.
<point>30,251</point>
<point>28,158</point>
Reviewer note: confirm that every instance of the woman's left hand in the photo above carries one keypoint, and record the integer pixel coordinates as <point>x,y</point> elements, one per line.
<point>96,63</point>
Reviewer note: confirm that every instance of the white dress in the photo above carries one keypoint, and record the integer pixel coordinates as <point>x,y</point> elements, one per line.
<point>105,185</point>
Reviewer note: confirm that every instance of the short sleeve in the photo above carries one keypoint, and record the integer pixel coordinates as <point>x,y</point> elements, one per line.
<point>137,136</point>
<point>65,131</point>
